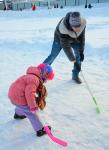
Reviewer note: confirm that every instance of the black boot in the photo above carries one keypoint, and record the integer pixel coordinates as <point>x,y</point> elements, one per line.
<point>42,132</point>
<point>16,116</point>
<point>77,80</point>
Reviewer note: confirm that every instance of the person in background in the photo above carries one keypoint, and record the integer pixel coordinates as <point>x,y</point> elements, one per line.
<point>33,7</point>
<point>90,6</point>
<point>70,36</point>
<point>28,94</point>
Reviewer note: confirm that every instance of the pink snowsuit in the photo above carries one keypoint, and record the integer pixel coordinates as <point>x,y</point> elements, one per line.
<point>22,94</point>
<point>22,91</point>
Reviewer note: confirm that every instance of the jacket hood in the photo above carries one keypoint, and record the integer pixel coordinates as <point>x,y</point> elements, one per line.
<point>66,21</point>
<point>33,70</point>
<point>44,71</point>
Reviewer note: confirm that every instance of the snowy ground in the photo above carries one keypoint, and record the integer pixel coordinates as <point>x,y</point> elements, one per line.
<point>25,39</point>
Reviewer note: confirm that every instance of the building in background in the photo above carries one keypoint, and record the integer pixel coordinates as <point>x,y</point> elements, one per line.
<point>27,4</point>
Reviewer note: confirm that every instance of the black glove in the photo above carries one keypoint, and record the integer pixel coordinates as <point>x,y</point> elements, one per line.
<point>81,57</point>
<point>78,66</point>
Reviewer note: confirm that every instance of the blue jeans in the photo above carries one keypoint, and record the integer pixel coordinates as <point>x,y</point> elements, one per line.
<point>56,48</point>
<point>75,71</point>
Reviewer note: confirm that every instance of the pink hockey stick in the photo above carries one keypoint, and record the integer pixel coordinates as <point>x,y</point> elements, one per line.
<point>55,139</point>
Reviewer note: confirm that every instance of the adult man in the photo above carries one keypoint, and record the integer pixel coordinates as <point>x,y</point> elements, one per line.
<point>70,33</point>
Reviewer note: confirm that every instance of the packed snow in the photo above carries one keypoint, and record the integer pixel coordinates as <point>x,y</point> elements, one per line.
<point>26,39</point>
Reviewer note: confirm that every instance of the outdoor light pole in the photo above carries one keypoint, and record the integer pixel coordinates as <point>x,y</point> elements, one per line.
<point>48,4</point>
<point>78,2</point>
<point>75,2</point>
<point>5,4</point>
<point>65,2</point>
<point>86,2</point>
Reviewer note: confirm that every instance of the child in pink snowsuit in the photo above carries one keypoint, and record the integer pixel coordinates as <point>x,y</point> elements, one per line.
<point>22,94</point>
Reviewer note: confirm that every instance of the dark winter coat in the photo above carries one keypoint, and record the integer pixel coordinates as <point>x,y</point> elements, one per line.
<point>67,36</point>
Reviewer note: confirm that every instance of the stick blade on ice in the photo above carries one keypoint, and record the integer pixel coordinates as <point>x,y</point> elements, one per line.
<point>55,139</point>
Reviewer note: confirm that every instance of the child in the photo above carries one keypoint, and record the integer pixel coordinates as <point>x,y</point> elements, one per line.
<point>23,91</point>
